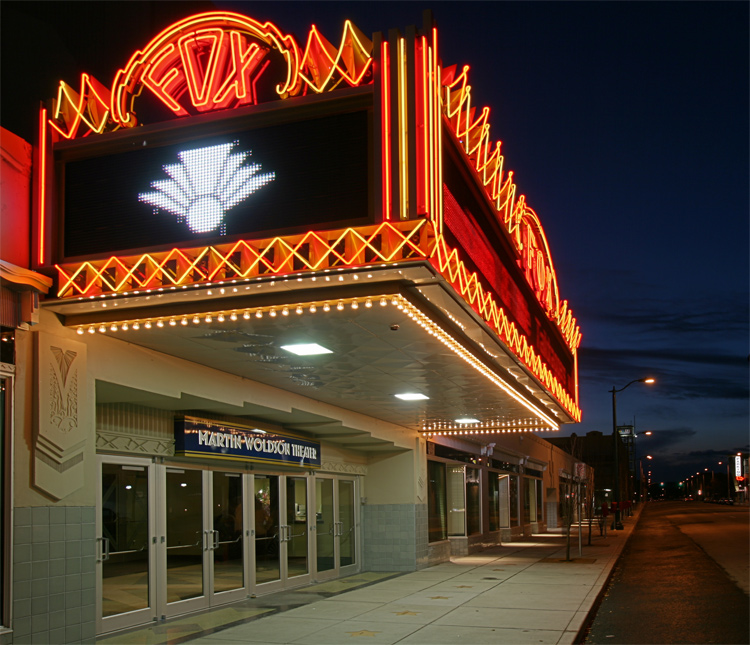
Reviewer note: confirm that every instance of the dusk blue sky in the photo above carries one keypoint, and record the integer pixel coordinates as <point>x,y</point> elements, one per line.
<point>626,124</point>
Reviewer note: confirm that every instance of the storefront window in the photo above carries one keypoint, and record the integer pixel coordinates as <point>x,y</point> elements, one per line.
<point>473,502</point>
<point>456,501</point>
<point>530,507</point>
<point>436,502</point>
<point>513,484</point>
<point>526,495</point>
<point>539,505</point>
<point>499,503</point>
<point>504,488</point>
<point>494,498</point>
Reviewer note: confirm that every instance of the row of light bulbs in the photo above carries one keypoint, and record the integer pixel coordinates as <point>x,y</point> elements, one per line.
<point>440,334</point>
<point>398,301</point>
<point>222,316</point>
<point>490,426</point>
<point>493,431</point>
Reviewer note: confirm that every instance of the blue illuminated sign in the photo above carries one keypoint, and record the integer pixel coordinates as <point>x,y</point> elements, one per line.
<point>201,438</point>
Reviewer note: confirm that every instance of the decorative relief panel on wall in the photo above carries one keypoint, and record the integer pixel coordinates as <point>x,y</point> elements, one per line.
<point>129,428</point>
<point>62,420</point>
<point>341,467</point>
<point>132,444</point>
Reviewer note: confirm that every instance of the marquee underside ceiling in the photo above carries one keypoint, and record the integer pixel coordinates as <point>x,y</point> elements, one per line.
<point>376,352</point>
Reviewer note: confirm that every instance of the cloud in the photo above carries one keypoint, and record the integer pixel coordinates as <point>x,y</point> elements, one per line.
<point>629,356</point>
<point>680,375</point>
<point>663,439</point>
<point>672,317</point>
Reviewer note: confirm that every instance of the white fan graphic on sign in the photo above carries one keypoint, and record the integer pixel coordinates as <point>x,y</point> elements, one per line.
<point>205,185</point>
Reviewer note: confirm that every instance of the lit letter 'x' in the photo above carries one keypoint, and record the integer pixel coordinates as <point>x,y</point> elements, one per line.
<point>244,64</point>
<point>219,70</point>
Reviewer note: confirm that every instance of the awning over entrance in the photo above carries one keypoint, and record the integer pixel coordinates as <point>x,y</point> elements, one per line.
<point>385,330</point>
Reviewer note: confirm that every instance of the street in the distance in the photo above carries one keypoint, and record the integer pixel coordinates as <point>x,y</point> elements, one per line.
<point>682,578</point>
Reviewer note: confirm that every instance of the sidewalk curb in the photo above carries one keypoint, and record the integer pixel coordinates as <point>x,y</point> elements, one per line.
<point>583,631</point>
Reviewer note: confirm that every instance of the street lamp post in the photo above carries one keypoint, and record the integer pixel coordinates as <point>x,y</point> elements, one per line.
<point>616,439</point>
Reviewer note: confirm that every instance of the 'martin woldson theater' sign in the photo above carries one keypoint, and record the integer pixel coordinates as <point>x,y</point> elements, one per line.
<point>200,438</point>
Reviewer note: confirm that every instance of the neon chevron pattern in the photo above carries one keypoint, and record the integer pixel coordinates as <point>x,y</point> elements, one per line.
<point>446,260</point>
<point>313,251</point>
<point>324,67</point>
<point>234,65</point>
<point>474,136</point>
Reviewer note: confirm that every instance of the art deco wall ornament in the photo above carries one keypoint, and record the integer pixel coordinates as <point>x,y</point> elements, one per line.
<point>62,418</point>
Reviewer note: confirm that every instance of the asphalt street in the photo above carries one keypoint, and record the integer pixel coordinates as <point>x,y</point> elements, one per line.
<point>666,588</point>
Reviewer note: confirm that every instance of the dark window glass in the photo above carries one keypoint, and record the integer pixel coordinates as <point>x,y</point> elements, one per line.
<point>513,500</point>
<point>473,502</point>
<point>436,502</point>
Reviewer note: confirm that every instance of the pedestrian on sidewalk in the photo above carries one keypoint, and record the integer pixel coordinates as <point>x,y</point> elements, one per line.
<point>615,507</point>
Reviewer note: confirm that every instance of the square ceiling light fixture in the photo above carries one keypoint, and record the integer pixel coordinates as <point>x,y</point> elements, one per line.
<point>306,349</point>
<point>465,420</point>
<point>411,396</point>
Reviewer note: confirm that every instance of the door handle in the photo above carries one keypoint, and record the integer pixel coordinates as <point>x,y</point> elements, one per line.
<point>216,540</point>
<point>105,549</point>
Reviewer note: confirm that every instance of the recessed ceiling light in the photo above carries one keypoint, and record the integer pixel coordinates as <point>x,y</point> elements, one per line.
<point>467,420</point>
<point>306,349</point>
<point>411,396</point>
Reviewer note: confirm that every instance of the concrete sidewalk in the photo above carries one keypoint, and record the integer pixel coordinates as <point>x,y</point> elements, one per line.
<point>521,592</point>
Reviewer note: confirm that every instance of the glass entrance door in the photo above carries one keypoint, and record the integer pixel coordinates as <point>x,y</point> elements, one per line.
<point>185,540</point>
<point>171,540</point>
<point>282,530</point>
<point>204,538</point>
<point>297,540</point>
<point>336,527</point>
<point>227,542</point>
<point>347,535</point>
<point>267,538</point>
<point>125,564</point>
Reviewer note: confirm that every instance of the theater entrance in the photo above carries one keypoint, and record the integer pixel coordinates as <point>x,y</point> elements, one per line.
<point>176,538</point>
<point>170,540</point>
<point>336,534</point>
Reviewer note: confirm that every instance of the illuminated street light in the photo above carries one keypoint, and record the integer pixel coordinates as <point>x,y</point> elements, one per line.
<point>616,439</point>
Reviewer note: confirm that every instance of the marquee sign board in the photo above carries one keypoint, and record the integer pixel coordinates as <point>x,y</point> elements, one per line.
<point>253,182</point>
<point>201,438</point>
